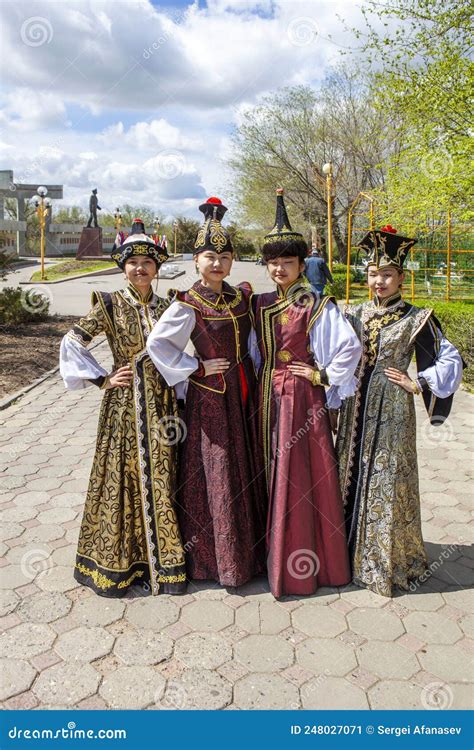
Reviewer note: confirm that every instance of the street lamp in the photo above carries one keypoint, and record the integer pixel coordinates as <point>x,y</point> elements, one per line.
<point>42,205</point>
<point>175,230</point>
<point>327,170</point>
<point>117,219</point>
<point>157,225</point>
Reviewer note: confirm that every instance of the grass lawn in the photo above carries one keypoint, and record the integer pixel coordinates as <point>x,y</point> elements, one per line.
<point>72,268</point>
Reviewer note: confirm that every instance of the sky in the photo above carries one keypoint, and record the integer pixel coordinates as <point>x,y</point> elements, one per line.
<point>140,98</point>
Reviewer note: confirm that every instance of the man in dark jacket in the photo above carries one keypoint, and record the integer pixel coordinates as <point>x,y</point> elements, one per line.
<point>317,271</point>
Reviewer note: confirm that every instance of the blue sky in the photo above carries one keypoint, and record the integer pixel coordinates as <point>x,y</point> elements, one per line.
<point>139,98</point>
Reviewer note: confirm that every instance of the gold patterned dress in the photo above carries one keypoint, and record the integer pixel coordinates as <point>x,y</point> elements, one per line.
<point>129,532</point>
<point>376,442</point>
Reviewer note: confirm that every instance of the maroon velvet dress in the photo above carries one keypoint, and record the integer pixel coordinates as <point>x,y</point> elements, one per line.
<point>222,493</point>
<point>305,538</point>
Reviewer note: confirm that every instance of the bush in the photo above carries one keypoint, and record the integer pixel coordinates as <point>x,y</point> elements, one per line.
<point>22,306</point>
<point>338,286</point>
<point>457,322</point>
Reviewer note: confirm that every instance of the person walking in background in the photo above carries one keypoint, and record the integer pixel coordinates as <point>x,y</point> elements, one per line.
<point>317,271</point>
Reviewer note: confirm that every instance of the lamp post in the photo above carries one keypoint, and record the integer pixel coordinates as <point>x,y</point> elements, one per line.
<point>156,223</point>
<point>117,219</point>
<point>175,231</point>
<point>43,205</point>
<point>327,170</point>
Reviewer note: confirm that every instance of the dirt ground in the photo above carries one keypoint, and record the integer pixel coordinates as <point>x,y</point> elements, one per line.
<point>29,350</point>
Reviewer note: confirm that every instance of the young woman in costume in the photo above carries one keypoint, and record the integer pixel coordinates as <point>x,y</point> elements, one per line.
<point>129,532</point>
<point>376,442</point>
<point>221,499</point>
<point>303,344</point>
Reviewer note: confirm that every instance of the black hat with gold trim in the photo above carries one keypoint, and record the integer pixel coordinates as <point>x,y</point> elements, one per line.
<point>384,247</point>
<point>283,241</point>
<point>139,243</point>
<point>212,235</point>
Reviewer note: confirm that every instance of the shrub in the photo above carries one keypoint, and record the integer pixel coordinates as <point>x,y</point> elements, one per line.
<point>457,322</point>
<point>22,306</point>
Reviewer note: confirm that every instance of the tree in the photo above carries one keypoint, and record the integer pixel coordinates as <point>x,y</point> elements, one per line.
<point>286,140</point>
<point>186,232</point>
<point>425,79</point>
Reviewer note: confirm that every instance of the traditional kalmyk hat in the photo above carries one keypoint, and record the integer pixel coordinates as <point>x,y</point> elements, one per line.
<point>283,240</point>
<point>139,243</point>
<point>384,247</point>
<point>212,235</point>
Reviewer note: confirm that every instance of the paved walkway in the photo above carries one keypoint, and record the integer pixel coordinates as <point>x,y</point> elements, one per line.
<point>64,647</point>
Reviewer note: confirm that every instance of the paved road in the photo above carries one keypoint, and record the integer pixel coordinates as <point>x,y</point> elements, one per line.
<point>73,297</point>
<point>344,648</point>
<point>64,647</point>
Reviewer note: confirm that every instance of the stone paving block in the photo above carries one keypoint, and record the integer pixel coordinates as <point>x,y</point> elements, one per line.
<point>65,556</point>
<point>132,687</point>
<point>13,576</point>
<point>153,613</point>
<point>44,484</point>
<point>432,627</point>
<point>389,660</point>
<point>17,676</point>
<point>31,498</point>
<point>8,601</point>
<point>273,618</point>
<point>26,701</point>
<point>363,597</point>
<point>17,514</point>
<point>324,595</point>
<point>57,515</point>
<point>466,624</point>
<point>462,599</point>
<point>266,692</point>
<point>449,663</point>
<point>396,694</point>
<point>197,688</point>
<point>264,653</point>
<point>326,656</point>
<point>84,644</point>
<point>421,600</point>
<point>10,531</point>
<point>317,621</point>
<point>66,684</point>
<point>203,650</point>
<point>57,578</point>
<point>68,500</point>
<point>207,615</point>
<point>26,640</point>
<point>333,693</point>
<point>143,647</point>
<point>45,606</point>
<point>377,624</point>
<point>43,533</point>
<point>43,661</point>
<point>247,617</point>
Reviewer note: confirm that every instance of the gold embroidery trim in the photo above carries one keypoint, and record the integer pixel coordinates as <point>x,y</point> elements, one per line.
<point>100,580</point>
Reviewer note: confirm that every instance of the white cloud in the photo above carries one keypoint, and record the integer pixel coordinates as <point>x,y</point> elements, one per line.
<point>150,95</point>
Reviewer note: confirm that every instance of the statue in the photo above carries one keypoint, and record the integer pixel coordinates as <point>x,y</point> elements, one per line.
<point>93,208</point>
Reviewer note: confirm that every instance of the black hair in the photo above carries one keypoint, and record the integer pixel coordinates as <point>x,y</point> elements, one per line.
<point>285,249</point>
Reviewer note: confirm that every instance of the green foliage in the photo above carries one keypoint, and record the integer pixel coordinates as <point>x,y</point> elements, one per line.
<point>72,268</point>
<point>5,264</point>
<point>22,306</point>
<point>457,322</point>
<point>337,287</point>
